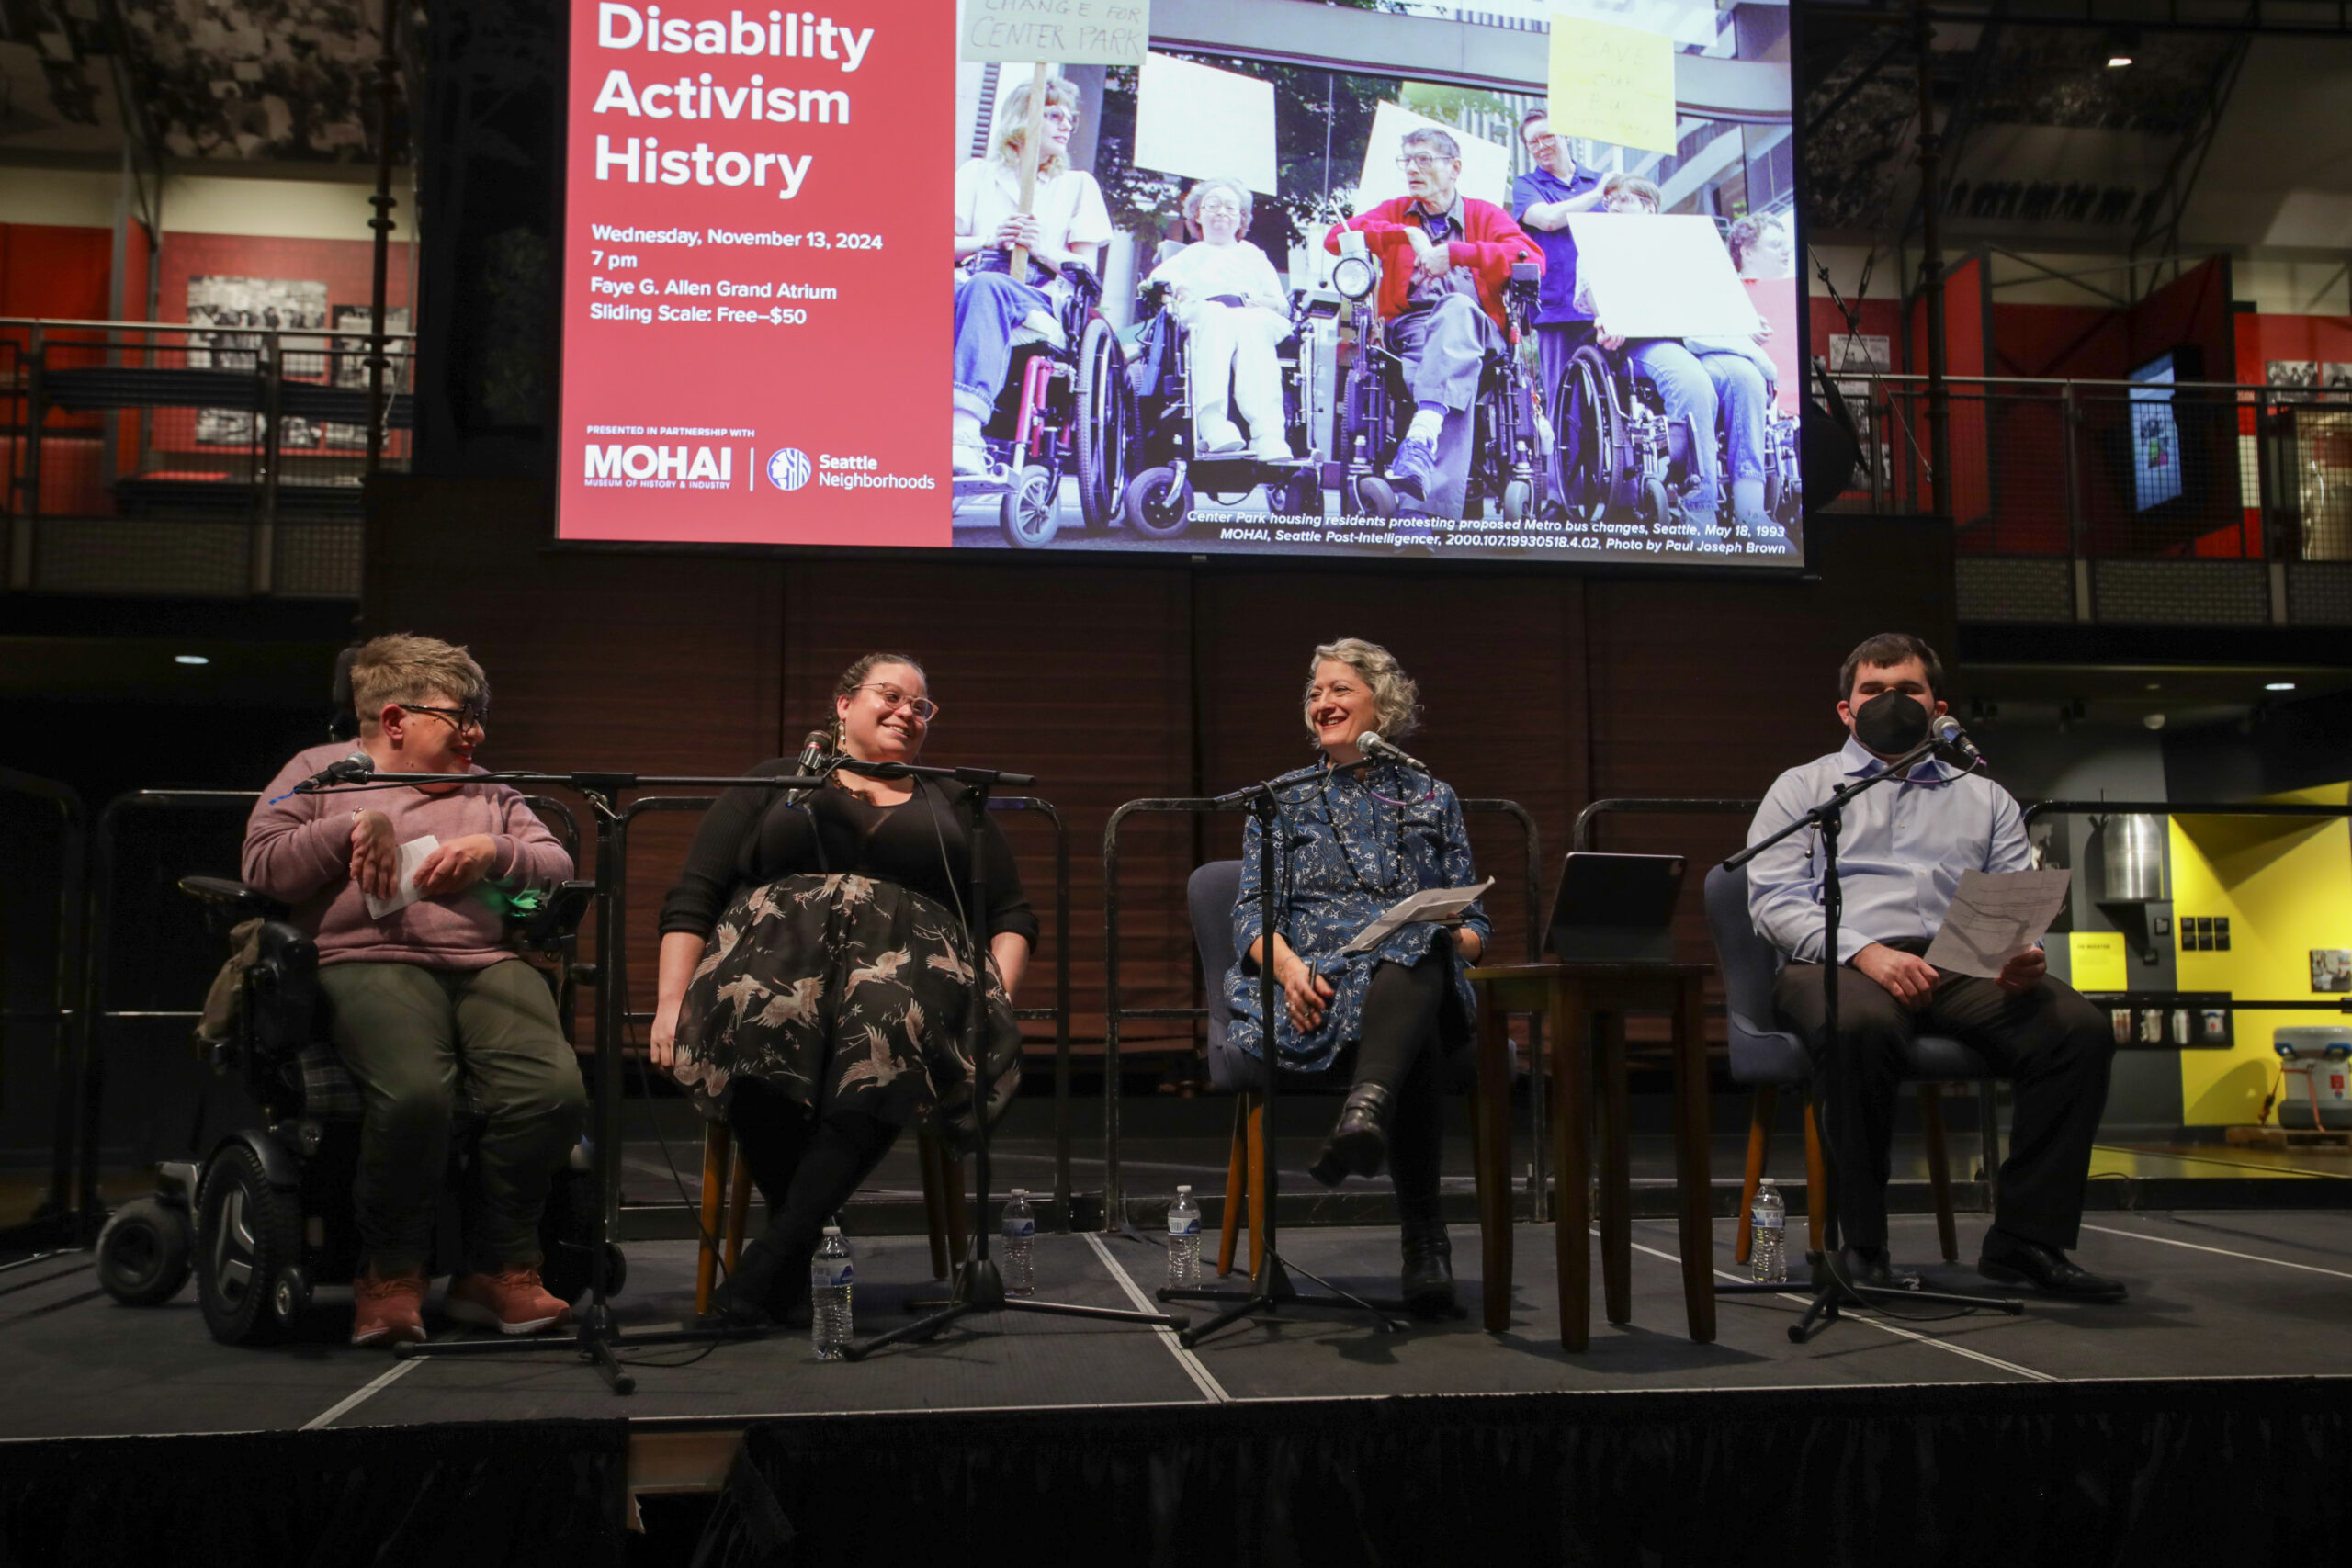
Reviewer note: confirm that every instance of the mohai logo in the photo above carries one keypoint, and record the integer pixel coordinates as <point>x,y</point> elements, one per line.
<point>788,468</point>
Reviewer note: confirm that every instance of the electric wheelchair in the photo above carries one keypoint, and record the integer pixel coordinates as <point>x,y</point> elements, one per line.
<point>1511,439</point>
<point>1065,407</point>
<point>268,1215</point>
<point>1165,466</point>
<point>1620,453</point>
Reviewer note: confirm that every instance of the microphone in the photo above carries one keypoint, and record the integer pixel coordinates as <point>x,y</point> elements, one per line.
<point>1952,738</point>
<point>815,747</point>
<point>353,769</point>
<point>1372,744</point>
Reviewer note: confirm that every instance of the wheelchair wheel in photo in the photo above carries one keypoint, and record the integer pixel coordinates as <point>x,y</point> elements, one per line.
<point>1519,501</point>
<point>1590,437</point>
<point>1300,497</point>
<point>1107,424</point>
<point>144,1253</point>
<point>248,1235</point>
<point>1372,497</point>
<point>1158,507</point>
<point>1029,512</point>
<point>1657,503</point>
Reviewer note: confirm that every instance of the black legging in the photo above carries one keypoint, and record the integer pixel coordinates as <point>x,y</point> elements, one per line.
<point>1399,1051</point>
<point>805,1168</point>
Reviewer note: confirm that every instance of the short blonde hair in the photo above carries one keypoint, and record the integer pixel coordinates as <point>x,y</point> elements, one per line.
<point>1642,190</point>
<point>404,667</point>
<point>1395,699</point>
<point>1012,122</point>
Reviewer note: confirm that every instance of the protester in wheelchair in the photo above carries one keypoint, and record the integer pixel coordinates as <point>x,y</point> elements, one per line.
<point>1066,226</point>
<point>1715,391</point>
<point>1227,296</point>
<point>424,1000</point>
<point>1445,260</point>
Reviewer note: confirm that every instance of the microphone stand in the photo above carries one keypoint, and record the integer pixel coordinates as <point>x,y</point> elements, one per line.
<point>1830,1291</point>
<point>978,1285</point>
<point>1270,1287</point>
<point>598,1334</point>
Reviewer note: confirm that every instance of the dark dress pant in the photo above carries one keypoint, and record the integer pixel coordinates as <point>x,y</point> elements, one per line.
<point>2055,1048</point>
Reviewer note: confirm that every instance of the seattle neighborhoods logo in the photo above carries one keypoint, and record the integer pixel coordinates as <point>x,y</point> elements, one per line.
<point>788,468</point>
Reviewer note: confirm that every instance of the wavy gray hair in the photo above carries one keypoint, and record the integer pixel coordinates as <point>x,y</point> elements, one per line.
<point>1395,699</point>
<point>1240,192</point>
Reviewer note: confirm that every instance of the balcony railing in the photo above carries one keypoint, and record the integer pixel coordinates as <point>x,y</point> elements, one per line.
<point>2195,503</point>
<point>180,457</point>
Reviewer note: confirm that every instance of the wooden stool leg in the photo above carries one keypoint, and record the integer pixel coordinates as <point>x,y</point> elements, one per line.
<point>1257,1139</point>
<point>1571,1080</point>
<point>1237,1184</point>
<point>934,1200</point>
<point>1693,1177</point>
<point>1490,1126</point>
<point>739,1207</point>
<point>716,1139</point>
<point>1816,1179</point>
<point>1616,1173</point>
<point>1759,1147</point>
<point>1931,1120</point>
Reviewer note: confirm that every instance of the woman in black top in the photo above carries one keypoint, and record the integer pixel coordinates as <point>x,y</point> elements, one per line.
<point>816,978</point>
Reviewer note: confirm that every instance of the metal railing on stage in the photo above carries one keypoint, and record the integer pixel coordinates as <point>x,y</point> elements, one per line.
<point>1663,806</point>
<point>1059,1012</point>
<point>1114,1015</point>
<point>55,1221</point>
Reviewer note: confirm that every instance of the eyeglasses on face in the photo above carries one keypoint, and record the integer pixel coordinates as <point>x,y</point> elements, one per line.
<point>1423,161</point>
<point>470,716</point>
<point>1232,209</point>
<point>892,699</point>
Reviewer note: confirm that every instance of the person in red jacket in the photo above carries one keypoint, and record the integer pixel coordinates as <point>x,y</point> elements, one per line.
<point>1444,258</point>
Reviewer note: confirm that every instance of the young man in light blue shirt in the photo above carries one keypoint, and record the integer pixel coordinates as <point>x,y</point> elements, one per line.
<point>1902,848</point>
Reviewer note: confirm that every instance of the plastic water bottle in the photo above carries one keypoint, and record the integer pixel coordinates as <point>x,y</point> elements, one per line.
<point>1020,1230</point>
<point>1767,1221</point>
<point>1183,1239</point>
<point>831,1277</point>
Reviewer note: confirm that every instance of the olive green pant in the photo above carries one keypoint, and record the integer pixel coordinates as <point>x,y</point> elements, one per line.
<point>417,1040</point>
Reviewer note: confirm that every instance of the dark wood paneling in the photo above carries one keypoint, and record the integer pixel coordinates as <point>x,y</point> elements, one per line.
<point>1111,683</point>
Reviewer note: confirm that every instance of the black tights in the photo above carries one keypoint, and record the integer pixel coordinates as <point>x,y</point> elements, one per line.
<point>1399,1052</point>
<point>805,1168</point>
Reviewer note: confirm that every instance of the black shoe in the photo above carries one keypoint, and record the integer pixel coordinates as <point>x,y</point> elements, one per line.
<point>2046,1269</point>
<point>1427,1279</point>
<point>1359,1141</point>
<point>757,1292</point>
<point>1869,1266</point>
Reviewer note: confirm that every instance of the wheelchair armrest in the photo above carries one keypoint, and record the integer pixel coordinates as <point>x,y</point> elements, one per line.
<point>548,927</point>
<point>233,899</point>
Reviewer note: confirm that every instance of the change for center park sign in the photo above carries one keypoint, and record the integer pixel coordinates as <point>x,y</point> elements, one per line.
<point>1067,32</point>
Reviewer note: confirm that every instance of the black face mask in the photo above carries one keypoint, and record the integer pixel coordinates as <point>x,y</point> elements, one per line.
<point>1890,723</point>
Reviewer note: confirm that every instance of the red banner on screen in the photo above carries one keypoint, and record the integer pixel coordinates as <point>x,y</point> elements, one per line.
<point>756,335</point>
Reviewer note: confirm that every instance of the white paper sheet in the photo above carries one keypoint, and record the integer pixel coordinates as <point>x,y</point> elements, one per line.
<point>1201,122</point>
<point>1486,166</point>
<point>413,855</point>
<point>1651,275</point>
<point>1994,916</point>
<point>1429,903</point>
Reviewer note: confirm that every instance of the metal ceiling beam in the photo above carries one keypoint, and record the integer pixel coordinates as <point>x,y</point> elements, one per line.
<point>2306,20</point>
<point>2160,219</point>
<point>1963,119</point>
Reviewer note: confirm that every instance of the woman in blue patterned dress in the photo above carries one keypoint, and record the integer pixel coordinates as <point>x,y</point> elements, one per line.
<point>1355,841</point>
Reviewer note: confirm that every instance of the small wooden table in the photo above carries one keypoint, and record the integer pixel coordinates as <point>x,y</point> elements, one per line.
<point>1567,996</point>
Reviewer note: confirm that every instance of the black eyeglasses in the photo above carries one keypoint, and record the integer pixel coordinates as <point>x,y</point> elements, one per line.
<point>467,717</point>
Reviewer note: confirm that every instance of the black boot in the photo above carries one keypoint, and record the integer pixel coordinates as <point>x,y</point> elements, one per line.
<point>1429,1259</point>
<point>1359,1140</point>
<point>741,1299</point>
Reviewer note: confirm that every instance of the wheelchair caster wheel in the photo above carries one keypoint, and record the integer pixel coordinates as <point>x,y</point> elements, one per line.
<point>144,1253</point>
<point>1519,501</point>
<point>1156,506</point>
<point>291,1297</point>
<point>1029,512</point>
<point>1374,498</point>
<point>1656,504</point>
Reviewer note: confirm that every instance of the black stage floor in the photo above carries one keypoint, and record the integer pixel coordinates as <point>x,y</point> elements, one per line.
<point>2237,1295</point>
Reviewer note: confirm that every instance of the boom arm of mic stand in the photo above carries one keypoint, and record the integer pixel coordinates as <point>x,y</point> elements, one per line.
<point>1820,814</point>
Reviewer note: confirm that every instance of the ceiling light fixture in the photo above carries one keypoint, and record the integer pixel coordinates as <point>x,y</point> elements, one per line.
<point>2278,686</point>
<point>2118,61</point>
<point>189,659</point>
